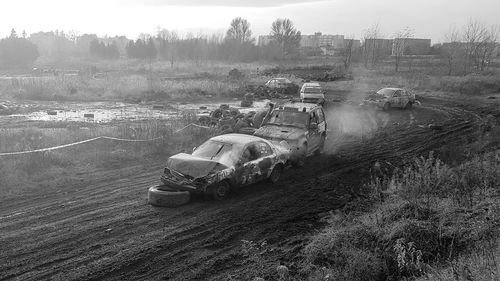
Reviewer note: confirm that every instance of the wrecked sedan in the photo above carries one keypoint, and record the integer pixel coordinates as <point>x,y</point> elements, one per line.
<point>388,98</point>
<point>224,162</point>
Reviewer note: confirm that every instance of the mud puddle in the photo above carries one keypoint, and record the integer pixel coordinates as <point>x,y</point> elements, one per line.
<point>105,112</point>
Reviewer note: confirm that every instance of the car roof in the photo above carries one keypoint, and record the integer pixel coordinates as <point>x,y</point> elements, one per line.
<point>240,139</point>
<point>393,89</point>
<point>311,84</point>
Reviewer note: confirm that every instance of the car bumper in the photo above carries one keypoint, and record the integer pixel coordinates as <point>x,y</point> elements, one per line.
<point>179,186</point>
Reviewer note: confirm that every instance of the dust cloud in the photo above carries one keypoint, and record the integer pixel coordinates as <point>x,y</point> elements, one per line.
<point>351,123</point>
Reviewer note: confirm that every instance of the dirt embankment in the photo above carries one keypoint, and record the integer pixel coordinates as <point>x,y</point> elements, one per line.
<point>104,229</point>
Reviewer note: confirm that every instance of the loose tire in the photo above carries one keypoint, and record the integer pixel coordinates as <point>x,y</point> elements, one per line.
<point>164,196</point>
<point>219,191</point>
<point>276,173</point>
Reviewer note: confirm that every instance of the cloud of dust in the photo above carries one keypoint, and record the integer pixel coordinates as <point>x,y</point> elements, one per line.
<point>347,121</point>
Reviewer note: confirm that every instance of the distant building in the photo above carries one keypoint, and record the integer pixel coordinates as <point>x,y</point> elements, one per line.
<point>322,40</point>
<point>382,46</point>
<point>413,46</point>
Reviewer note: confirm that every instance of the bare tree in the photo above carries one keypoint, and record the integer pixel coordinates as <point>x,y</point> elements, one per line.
<point>400,45</point>
<point>452,49</point>
<point>486,47</point>
<point>168,44</point>
<point>285,34</point>
<point>473,34</point>
<point>239,31</point>
<point>347,51</point>
<point>371,46</point>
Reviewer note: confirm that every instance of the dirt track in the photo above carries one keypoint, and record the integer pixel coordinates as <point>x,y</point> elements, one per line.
<point>105,229</point>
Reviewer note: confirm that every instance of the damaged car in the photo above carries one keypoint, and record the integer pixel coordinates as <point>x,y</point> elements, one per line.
<point>388,98</point>
<point>223,163</point>
<point>302,125</point>
<point>282,85</point>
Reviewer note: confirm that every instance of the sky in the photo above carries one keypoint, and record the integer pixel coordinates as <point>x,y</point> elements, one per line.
<point>427,18</point>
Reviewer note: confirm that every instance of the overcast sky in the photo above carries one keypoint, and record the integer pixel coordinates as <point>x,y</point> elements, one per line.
<point>428,18</point>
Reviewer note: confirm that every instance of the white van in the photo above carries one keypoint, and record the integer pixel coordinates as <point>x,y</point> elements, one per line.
<point>312,92</point>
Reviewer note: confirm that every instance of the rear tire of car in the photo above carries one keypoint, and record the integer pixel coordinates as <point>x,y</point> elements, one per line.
<point>387,106</point>
<point>219,191</point>
<point>163,196</point>
<point>276,173</point>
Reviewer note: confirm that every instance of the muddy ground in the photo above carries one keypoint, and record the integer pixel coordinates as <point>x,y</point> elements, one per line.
<point>103,228</point>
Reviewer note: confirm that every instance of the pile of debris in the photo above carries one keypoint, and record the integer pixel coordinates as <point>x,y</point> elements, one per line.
<point>231,120</point>
<point>264,92</point>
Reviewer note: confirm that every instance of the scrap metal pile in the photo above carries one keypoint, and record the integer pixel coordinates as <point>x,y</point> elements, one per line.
<point>231,120</point>
<point>264,92</point>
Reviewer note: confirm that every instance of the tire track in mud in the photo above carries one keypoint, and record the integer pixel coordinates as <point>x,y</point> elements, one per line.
<point>109,232</point>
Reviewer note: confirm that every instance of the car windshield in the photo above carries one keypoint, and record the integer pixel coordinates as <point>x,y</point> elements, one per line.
<point>313,90</point>
<point>218,151</point>
<point>289,118</point>
<point>283,80</point>
<point>386,92</point>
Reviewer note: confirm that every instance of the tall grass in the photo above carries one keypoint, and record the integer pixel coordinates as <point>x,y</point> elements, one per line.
<point>20,173</point>
<point>430,221</point>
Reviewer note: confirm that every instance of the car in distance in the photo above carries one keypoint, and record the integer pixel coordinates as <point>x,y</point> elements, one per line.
<point>302,125</point>
<point>224,162</point>
<point>388,98</point>
<point>312,92</point>
<point>282,85</point>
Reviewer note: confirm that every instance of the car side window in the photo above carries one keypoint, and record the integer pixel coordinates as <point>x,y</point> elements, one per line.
<point>264,149</point>
<point>250,153</point>
<point>313,117</point>
<point>397,94</point>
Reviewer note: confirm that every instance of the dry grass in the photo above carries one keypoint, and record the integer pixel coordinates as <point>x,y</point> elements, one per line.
<point>21,173</point>
<point>430,220</point>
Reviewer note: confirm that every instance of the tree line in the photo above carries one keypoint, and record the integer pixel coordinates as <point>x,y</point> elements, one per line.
<point>467,49</point>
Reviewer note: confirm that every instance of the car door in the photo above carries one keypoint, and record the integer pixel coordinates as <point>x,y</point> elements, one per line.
<point>314,136</point>
<point>254,163</point>
<point>322,122</point>
<point>396,99</point>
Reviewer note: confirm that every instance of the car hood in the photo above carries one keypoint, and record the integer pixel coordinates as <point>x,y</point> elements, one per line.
<point>279,132</point>
<point>193,166</point>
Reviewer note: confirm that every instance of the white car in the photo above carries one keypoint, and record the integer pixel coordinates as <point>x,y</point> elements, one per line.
<point>312,92</point>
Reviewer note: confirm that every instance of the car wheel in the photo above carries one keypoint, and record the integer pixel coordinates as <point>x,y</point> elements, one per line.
<point>387,106</point>
<point>301,158</point>
<point>164,196</point>
<point>321,147</point>
<point>276,173</point>
<point>219,191</point>
<point>409,105</point>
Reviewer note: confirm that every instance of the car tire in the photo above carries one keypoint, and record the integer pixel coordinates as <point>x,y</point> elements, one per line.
<point>276,173</point>
<point>163,196</point>
<point>387,106</point>
<point>409,105</point>
<point>219,191</point>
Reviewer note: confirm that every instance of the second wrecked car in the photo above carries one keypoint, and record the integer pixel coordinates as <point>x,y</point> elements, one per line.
<point>388,98</point>
<point>224,162</point>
